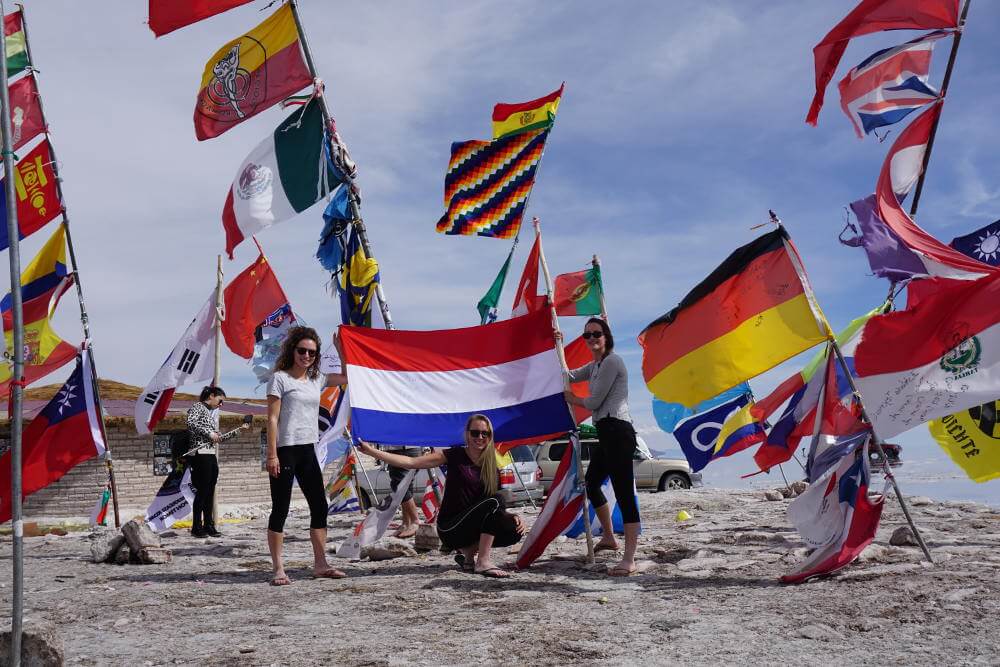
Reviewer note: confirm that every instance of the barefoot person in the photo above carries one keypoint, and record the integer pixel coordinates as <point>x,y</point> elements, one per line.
<point>292,430</point>
<point>608,400</point>
<point>472,519</point>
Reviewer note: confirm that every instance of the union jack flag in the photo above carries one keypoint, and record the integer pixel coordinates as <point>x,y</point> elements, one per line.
<point>889,84</point>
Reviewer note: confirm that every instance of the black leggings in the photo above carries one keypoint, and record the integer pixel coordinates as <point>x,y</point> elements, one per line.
<point>613,458</point>
<point>487,516</point>
<point>204,475</point>
<point>298,461</point>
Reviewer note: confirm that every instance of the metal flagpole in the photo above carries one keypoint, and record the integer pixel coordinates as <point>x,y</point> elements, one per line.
<point>358,222</point>
<point>562,361</point>
<point>16,384</point>
<point>84,317</point>
<point>217,372</point>
<point>832,338</point>
<point>877,441</point>
<point>944,91</point>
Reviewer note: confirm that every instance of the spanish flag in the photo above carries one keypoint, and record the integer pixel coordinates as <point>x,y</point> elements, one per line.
<point>534,115</point>
<point>752,313</point>
<point>43,282</point>
<point>250,74</point>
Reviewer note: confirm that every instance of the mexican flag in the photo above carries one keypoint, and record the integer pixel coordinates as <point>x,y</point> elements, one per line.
<point>579,293</point>
<point>286,174</point>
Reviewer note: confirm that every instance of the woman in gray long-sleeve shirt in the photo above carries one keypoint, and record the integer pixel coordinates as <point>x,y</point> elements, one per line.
<point>608,401</point>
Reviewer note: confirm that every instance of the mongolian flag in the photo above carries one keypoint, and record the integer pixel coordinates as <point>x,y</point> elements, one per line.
<point>26,121</point>
<point>579,293</point>
<point>752,313</point>
<point>250,74</point>
<point>488,182</point>
<point>43,283</point>
<point>65,433</point>
<point>250,299</point>
<point>37,193</point>
<point>534,115</point>
<point>169,15</point>
<point>873,16</point>
<point>17,45</point>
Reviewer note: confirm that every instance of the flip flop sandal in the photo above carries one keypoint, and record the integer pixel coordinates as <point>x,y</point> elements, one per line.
<point>621,572</point>
<point>604,547</point>
<point>466,565</point>
<point>493,573</point>
<point>281,581</point>
<point>332,573</point>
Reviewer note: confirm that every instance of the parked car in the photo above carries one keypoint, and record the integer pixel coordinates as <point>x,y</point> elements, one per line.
<point>650,473</point>
<point>511,488</point>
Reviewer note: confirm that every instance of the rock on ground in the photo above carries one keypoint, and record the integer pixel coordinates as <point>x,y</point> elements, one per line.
<point>41,645</point>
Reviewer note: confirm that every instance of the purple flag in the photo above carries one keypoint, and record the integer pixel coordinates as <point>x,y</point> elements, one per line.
<point>888,256</point>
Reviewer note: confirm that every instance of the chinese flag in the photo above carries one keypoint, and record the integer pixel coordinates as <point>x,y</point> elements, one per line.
<point>169,15</point>
<point>249,299</point>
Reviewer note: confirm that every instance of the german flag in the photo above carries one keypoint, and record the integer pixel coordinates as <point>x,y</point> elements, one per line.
<point>250,74</point>
<point>752,313</point>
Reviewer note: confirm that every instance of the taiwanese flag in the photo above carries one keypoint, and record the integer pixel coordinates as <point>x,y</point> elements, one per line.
<point>250,74</point>
<point>752,313</point>
<point>169,15</point>
<point>65,433</point>
<point>37,194</point>
<point>250,299</point>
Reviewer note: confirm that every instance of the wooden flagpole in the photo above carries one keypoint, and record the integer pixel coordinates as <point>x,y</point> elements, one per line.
<point>84,316</point>
<point>956,40</point>
<point>832,338</point>
<point>16,384</point>
<point>565,367</point>
<point>355,203</point>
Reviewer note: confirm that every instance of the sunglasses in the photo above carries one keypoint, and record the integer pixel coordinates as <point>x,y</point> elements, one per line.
<point>305,351</point>
<point>587,335</point>
<point>476,433</point>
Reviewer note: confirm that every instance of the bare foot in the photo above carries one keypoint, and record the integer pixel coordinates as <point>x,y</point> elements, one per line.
<point>623,569</point>
<point>493,573</point>
<point>406,530</point>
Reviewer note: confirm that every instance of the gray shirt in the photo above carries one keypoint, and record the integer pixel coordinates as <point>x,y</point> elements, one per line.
<point>298,419</point>
<point>608,387</point>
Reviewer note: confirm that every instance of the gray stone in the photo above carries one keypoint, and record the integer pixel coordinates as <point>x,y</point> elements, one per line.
<point>154,555</point>
<point>798,487</point>
<point>693,564</point>
<point>773,494</point>
<point>919,501</point>
<point>426,538</point>
<point>388,548</point>
<point>123,555</point>
<point>903,537</point>
<point>41,645</point>
<point>818,632</point>
<point>104,544</point>
<point>959,594</point>
<point>139,535</point>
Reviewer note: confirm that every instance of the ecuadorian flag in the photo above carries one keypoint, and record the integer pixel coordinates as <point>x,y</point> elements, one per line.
<point>752,313</point>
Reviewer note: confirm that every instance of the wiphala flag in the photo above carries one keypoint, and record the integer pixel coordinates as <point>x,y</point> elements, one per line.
<point>488,183</point>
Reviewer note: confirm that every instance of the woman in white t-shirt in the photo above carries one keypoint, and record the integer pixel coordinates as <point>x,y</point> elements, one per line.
<point>292,431</point>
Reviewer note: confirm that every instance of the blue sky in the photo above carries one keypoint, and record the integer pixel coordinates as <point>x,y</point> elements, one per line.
<point>681,125</point>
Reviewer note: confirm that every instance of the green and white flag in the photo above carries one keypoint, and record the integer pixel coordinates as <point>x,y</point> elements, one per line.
<point>488,304</point>
<point>286,174</point>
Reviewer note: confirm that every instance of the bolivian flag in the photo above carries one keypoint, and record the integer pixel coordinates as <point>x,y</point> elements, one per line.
<point>250,74</point>
<point>17,52</point>
<point>526,116</point>
<point>752,313</point>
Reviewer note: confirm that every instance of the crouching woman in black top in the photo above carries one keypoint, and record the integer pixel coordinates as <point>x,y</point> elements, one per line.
<point>473,518</point>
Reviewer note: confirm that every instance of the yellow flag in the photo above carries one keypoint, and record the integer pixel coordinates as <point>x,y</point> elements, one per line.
<point>972,439</point>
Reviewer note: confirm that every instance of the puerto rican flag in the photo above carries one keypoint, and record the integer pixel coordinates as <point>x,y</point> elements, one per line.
<point>418,388</point>
<point>889,84</point>
<point>900,172</point>
<point>562,506</point>
<point>836,517</point>
<point>939,356</point>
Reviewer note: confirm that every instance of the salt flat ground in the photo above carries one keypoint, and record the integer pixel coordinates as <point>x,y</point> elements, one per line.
<point>708,594</point>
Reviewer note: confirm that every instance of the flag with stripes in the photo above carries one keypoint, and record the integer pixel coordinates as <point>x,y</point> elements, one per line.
<point>488,182</point>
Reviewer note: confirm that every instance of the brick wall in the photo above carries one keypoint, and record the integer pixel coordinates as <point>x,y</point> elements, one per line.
<point>241,480</point>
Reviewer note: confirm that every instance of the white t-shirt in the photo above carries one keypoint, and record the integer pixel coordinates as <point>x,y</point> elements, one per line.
<point>298,419</point>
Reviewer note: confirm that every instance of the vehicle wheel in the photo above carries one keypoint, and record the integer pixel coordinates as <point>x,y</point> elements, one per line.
<point>673,481</point>
<point>363,499</point>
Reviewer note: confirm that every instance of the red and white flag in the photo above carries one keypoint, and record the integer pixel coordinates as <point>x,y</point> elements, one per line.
<point>939,356</point>
<point>429,504</point>
<point>169,15</point>
<point>526,299</point>
<point>191,361</point>
<point>26,120</point>
<point>836,517</point>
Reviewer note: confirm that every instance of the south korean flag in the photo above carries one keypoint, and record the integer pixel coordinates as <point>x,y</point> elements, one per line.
<point>191,361</point>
